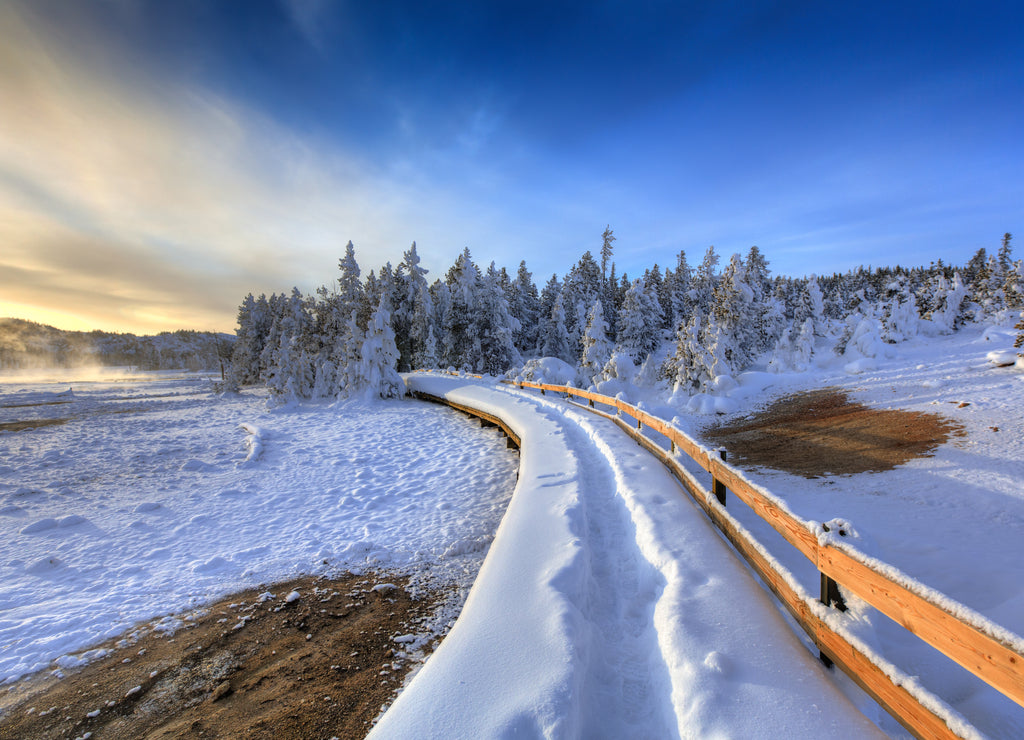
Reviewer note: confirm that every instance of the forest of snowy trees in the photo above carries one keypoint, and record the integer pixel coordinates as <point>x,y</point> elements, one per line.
<point>686,327</point>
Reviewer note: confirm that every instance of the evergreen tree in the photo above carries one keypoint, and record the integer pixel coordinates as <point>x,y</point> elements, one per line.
<point>606,252</point>
<point>732,331</point>
<point>525,307</point>
<point>548,295</point>
<point>495,327</point>
<point>597,349</point>
<point>556,338</point>
<point>639,321</point>
<point>379,356</point>
<point>1014,288</point>
<point>349,378</point>
<point>679,303</point>
<point>1019,342</point>
<point>413,310</point>
<point>689,368</point>
<point>702,288</point>
<point>429,359</point>
<point>1004,259</point>
<point>254,324</point>
<point>462,347</point>
<point>949,303</point>
<point>900,318</point>
<point>350,287</point>
<point>581,288</point>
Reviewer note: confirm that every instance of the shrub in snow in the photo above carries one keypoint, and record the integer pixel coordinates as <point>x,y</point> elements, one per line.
<point>900,319</point>
<point>949,305</point>
<point>619,367</point>
<point>550,370</point>
<point>702,403</point>
<point>793,353</point>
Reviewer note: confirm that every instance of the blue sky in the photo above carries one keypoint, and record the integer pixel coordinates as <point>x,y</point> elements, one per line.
<point>161,159</point>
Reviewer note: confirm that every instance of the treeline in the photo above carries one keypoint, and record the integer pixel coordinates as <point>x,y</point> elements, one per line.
<point>27,345</point>
<point>682,325</point>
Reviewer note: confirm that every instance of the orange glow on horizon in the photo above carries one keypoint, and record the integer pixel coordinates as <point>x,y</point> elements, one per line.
<point>68,321</point>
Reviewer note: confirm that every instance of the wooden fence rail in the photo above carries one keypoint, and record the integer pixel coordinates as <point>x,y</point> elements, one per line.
<point>951,628</point>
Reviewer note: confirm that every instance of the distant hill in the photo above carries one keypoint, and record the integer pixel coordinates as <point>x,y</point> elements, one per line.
<point>26,345</point>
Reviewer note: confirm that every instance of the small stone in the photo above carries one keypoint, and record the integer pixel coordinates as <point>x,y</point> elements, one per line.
<point>221,691</point>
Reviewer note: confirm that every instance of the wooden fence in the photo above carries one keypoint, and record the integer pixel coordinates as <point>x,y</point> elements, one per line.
<point>972,643</point>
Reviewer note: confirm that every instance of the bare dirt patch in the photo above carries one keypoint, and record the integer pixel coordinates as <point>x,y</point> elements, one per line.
<point>20,426</point>
<point>319,666</point>
<point>824,432</point>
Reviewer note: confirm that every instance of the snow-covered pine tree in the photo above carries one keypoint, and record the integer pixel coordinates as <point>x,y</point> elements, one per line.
<point>441,297</point>
<point>679,304</point>
<point>254,324</point>
<point>609,299</point>
<point>949,303</point>
<point>524,306</point>
<point>413,310</point>
<point>495,327</point>
<point>556,338</point>
<point>702,287</point>
<point>350,286</point>
<point>1014,289</point>
<point>325,382</point>
<point>597,349</point>
<point>639,321</point>
<point>689,368</point>
<point>1019,342</point>
<point>350,380</point>
<point>731,333</point>
<point>606,251</point>
<point>581,288</point>
<point>548,294</point>
<point>429,359</point>
<point>655,283</point>
<point>900,320</point>
<point>379,356</point>
<point>462,347</point>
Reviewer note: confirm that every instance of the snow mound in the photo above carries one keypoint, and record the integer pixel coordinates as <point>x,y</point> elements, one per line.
<point>1002,357</point>
<point>548,370</point>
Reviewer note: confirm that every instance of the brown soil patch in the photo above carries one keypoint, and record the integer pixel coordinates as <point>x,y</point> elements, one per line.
<point>823,432</point>
<point>18,426</point>
<point>320,666</point>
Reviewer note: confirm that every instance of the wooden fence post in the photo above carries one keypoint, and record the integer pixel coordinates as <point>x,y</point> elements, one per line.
<point>830,596</point>
<point>717,485</point>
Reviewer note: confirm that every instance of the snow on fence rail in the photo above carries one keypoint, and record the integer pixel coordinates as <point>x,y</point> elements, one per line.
<point>966,637</point>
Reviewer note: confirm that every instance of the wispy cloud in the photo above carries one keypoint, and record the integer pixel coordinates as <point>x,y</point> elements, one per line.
<point>146,204</point>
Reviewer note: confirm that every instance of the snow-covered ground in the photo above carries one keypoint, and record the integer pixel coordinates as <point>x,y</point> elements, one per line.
<point>156,496</point>
<point>607,606</point>
<point>610,580</point>
<point>954,521</point>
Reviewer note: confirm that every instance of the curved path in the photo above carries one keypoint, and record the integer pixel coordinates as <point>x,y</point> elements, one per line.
<point>608,607</point>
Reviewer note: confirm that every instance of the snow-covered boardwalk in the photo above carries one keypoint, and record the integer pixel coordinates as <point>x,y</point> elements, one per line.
<point>608,607</point>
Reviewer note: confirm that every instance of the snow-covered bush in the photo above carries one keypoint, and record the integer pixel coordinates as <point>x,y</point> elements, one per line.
<point>552,370</point>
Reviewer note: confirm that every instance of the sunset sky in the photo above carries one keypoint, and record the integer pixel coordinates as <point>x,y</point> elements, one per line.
<point>159,160</point>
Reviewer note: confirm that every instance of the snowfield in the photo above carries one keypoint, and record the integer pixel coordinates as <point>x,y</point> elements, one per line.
<point>606,605</point>
<point>157,496</point>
